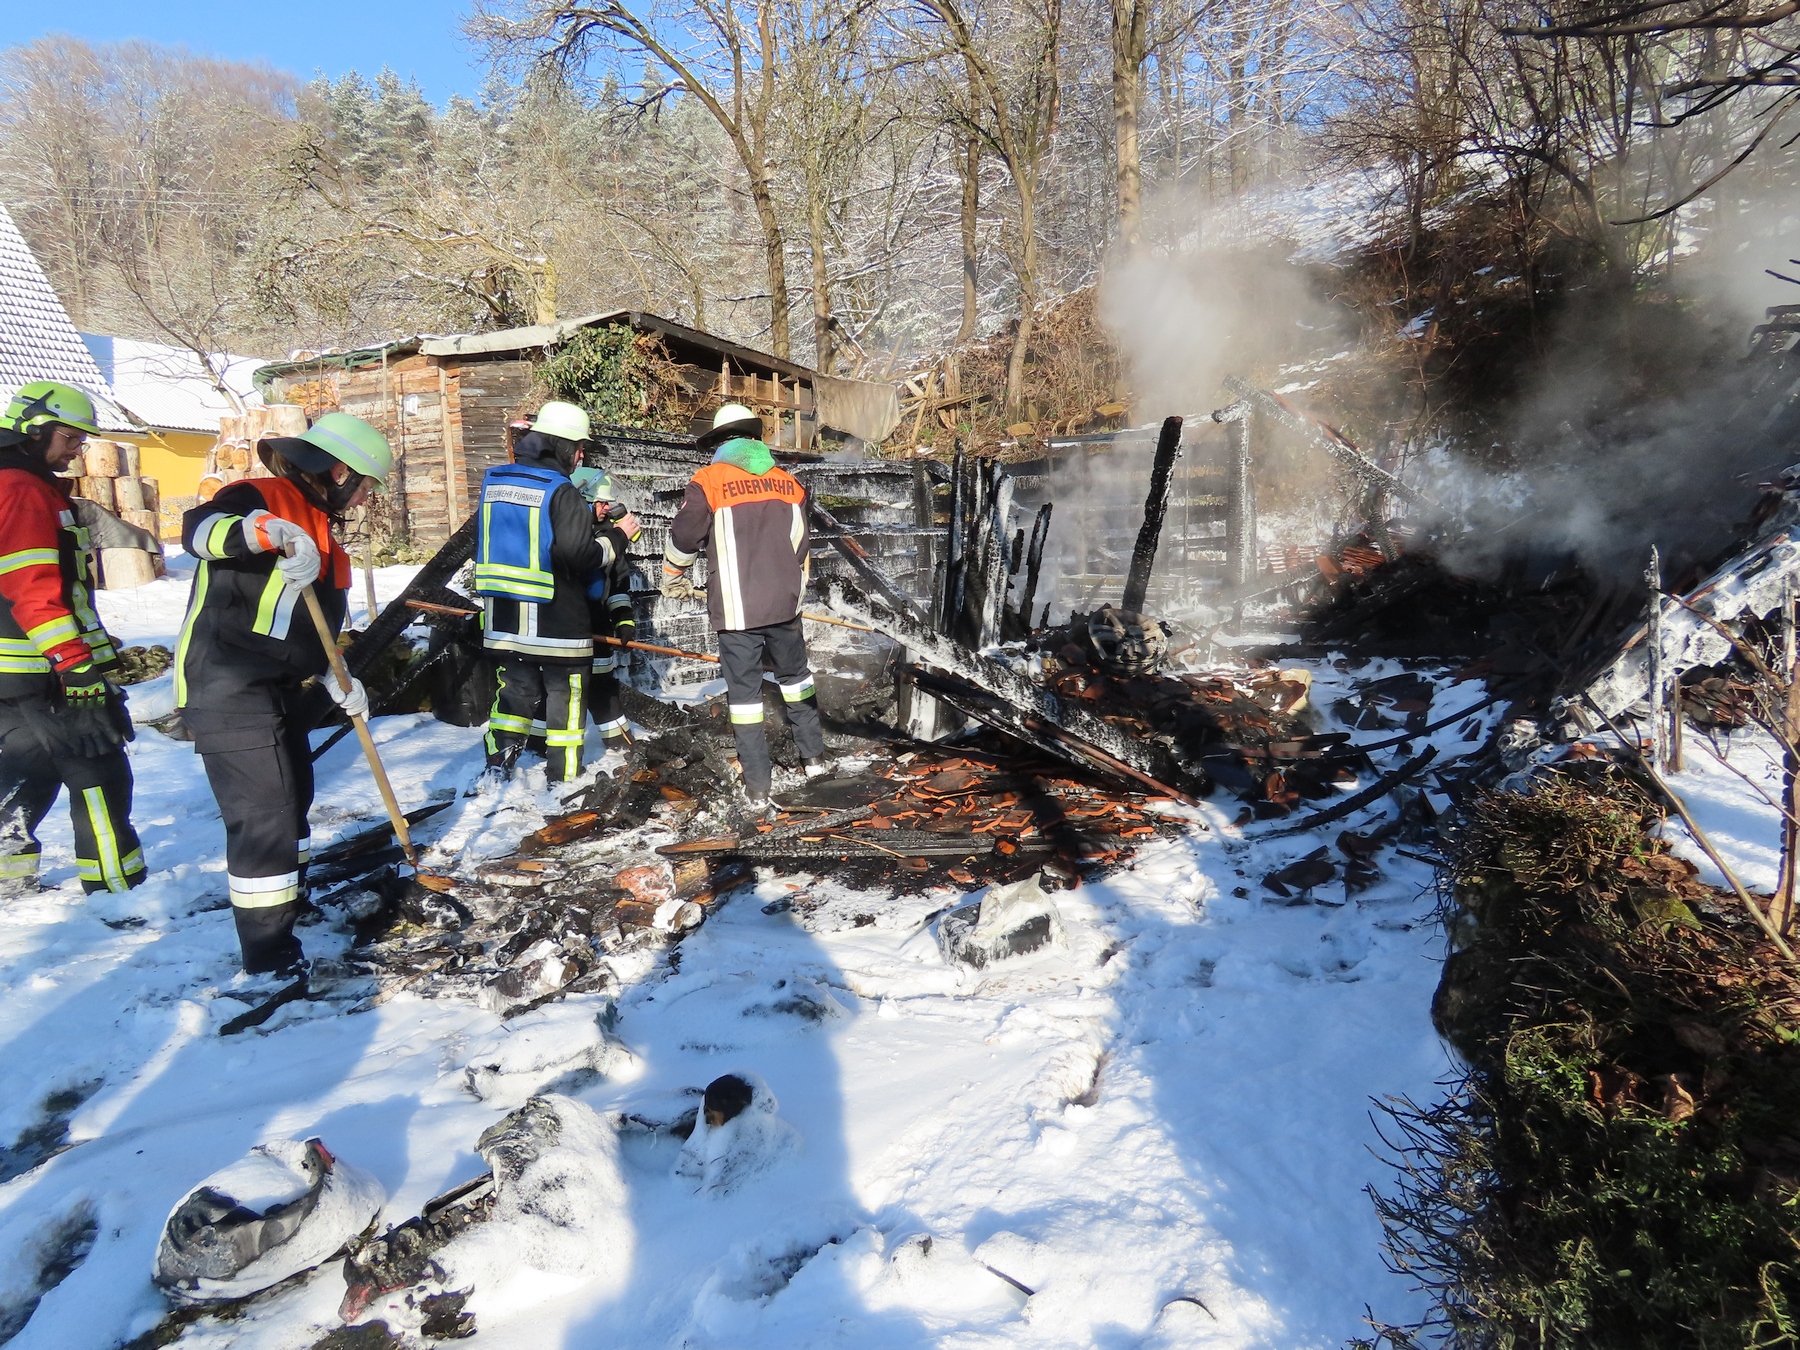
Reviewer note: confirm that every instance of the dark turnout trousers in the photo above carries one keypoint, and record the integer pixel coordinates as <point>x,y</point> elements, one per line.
<point>603,695</point>
<point>741,652</point>
<point>33,768</point>
<point>553,696</point>
<point>259,766</point>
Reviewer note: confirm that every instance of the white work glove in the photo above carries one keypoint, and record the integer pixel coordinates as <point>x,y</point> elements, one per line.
<point>355,703</point>
<point>298,556</point>
<point>677,586</point>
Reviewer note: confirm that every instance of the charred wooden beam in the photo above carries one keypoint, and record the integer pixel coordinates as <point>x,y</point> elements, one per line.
<point>988,619</point>
<point>1380,788</point>
<point>1013,697</point>
<point>1034,562</point>
<point>947,604</point>
<point>996,712</point>
<point>367,646</point>
<point>860,562</point>
<point>1156,509</point>
<point>971,604</point>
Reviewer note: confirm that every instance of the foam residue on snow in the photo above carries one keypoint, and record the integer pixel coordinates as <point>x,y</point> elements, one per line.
<point>561,1223</point>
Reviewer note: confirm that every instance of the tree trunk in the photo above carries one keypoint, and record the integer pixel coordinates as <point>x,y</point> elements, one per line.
<point>762,188</point>
<point>1127,83</point>
<point>545,297</point>
<point>969,167</point>
<point>774,251</point>
<point>823,351</point>
<point>1025,266</point>
<point>1237,117</point>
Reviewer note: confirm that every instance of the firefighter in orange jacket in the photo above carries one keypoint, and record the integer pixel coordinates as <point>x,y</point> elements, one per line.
<point>250,667</point>
<point>62,723</point>
<point>749,517</point>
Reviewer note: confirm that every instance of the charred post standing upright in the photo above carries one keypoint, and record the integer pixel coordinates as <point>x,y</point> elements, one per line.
<point>1781,907</point>
<point>1156,507</point>
<point>1240,500</point>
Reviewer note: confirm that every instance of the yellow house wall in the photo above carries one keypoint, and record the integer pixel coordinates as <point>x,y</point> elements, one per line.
<point>174,459</point>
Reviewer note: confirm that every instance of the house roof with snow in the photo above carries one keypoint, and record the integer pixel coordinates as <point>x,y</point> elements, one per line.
<point>167,387</point>
<point>37,341</point>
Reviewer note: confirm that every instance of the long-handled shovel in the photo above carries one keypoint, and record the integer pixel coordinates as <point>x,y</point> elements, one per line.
<point>263,1011</point>
<point>362,730</point>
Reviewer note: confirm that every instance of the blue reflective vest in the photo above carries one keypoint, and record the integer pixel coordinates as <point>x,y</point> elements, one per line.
<point>513,560</point>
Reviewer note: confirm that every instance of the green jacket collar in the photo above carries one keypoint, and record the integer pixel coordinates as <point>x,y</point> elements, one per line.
<point>749,455</point>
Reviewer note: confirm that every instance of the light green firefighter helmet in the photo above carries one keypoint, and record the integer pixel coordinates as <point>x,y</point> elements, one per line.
<point>44,401</point>
<point>353,442</point>
<point>594,484</point>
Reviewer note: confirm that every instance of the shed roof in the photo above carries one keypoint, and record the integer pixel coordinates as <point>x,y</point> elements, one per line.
<point>867,410</point>
<point>683,342</point>
<point>691,344</point>
<point>166,387</point>
<point>37,341</point>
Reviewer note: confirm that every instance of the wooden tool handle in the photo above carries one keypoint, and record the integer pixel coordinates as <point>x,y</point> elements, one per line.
<point>345,683</point>
<point>649,647</point>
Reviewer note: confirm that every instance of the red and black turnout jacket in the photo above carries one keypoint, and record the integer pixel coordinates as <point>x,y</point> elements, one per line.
<point>754,530</point>
<point>47,618</point>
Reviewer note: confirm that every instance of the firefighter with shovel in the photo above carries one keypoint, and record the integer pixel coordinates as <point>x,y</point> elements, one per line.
<point>250,669</point>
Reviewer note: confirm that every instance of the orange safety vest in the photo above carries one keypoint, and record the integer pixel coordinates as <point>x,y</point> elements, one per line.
<point>286,500</point>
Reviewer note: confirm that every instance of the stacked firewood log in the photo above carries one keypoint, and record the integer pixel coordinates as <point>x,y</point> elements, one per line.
<point>234,456</point>
<point>107,475</point>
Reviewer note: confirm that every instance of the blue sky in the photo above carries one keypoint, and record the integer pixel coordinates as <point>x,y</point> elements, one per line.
<point>421,38</point>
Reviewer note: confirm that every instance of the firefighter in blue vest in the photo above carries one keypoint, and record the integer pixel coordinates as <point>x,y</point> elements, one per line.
<point>541,543</point>
<point>609,607</point>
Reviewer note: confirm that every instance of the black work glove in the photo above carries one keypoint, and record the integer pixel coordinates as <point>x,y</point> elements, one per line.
<point>84,687</point>
<point>86,732</point>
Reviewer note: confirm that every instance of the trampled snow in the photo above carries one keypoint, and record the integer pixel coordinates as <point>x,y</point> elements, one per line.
<point>1155,1131</point>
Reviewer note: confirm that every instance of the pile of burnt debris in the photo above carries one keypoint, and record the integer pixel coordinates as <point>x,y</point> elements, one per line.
<point>975,746</point>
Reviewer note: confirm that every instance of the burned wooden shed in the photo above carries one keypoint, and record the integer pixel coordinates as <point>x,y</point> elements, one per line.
<point>445,402</point>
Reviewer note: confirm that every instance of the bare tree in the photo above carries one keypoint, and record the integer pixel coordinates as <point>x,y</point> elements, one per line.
<point>1010,55</point>
<point>133,170</point>
<point>729,65</point>
<point>1687,61</point>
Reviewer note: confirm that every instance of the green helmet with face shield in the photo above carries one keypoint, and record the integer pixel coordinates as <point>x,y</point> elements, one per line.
<point>594,484</point>
<point>43,402</point>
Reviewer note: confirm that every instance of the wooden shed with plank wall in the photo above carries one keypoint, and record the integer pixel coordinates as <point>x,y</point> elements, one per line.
<point>444,403</point>
<point>446,418</point>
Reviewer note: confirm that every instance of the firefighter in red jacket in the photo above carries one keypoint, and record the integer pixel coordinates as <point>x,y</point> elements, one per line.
<point>250,673</point>
<point>749,517</point>
<point>62,723</point>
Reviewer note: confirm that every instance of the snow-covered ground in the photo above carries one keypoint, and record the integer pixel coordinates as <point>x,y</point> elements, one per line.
<point>1162,1128</point>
